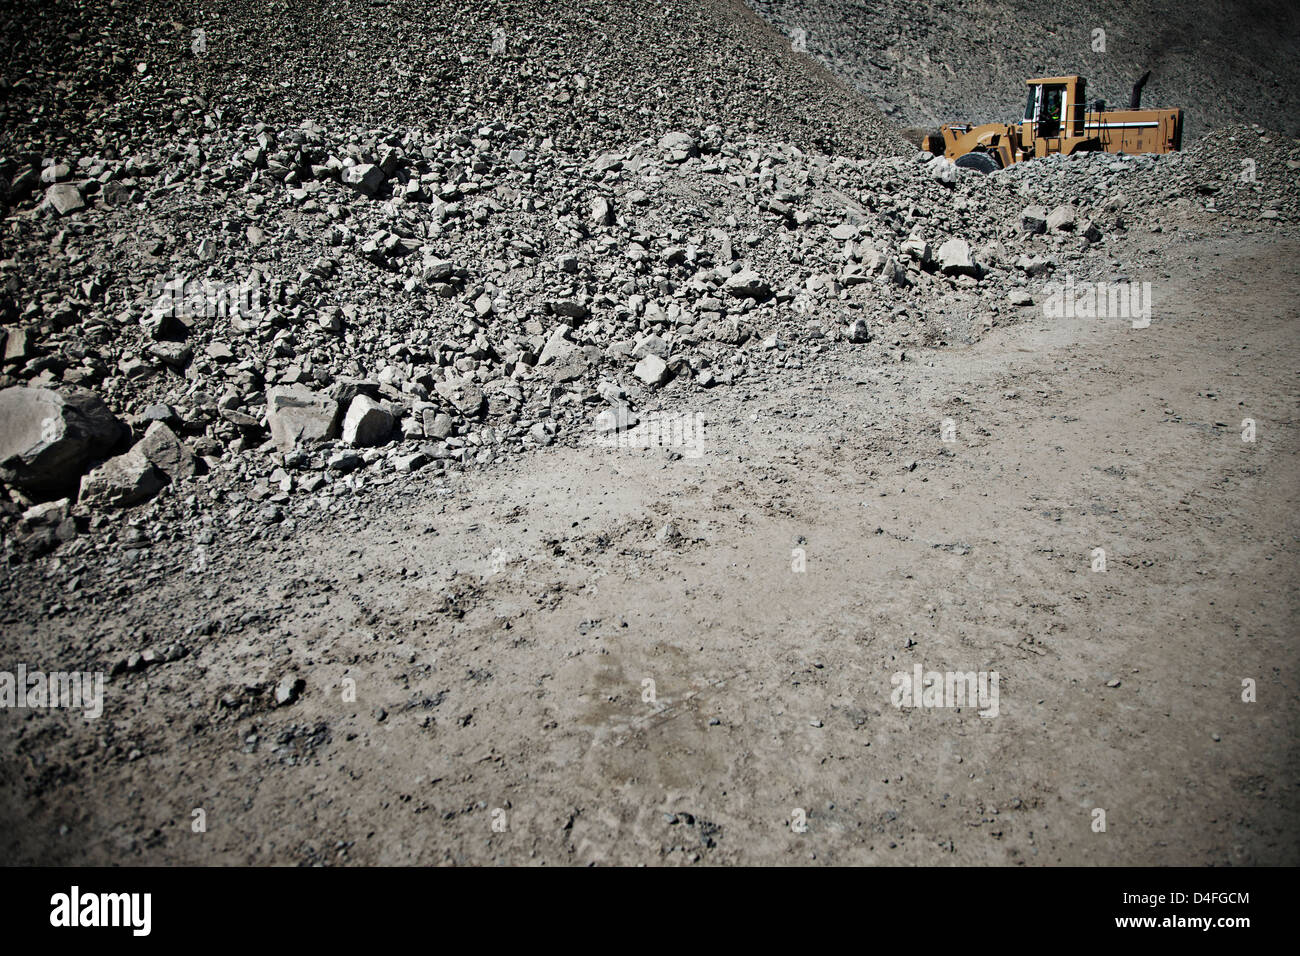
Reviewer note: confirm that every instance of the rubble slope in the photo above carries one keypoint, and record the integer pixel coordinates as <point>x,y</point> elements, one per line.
<point>955,60</point>
<point>586,72</point>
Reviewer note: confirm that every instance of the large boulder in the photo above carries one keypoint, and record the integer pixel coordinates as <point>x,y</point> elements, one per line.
<point>652,370</point>
<point>365,178</point>
<point>747,284</point>
<point>558,347</point>
<point>167,453</point>
<point>1063,218</point>
<point>47,437</point>
<point>17,345</point>
<point>65,198</point>
<point>298,415</point>
<point>955,259</point>
<point>367,422</point>
<point>120,482</point>
<point>1033,220</point>
<point>678,146</point>
<point>464,396</point>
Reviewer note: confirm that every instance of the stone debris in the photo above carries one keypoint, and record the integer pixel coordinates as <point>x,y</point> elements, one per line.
<point>48,436</point>
<point>120,482</point>
<point>167,453</point>
<point>617,419</point>
<point>859,331</point>
<point>1063,219</point>
<point>652,370</point>
<point>365,178</point>
<point>65,198</point>
<point>954,258</point>
<point>367,422</point>
<point>365,298</point>
<point>297,415</point>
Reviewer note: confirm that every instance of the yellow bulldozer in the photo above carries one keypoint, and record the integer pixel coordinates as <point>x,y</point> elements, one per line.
<point>1058,120</point>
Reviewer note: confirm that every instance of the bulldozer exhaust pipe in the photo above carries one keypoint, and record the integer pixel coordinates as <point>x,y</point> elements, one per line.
<point>1135,101</point>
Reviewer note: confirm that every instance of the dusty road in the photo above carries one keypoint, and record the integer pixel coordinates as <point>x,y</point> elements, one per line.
<point>497,633</point>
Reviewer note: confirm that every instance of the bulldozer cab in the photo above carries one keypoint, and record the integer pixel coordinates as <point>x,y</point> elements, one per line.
<point>1049,112</point>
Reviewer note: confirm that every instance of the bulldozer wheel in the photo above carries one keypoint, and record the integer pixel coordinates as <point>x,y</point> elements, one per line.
<point>980,162</point>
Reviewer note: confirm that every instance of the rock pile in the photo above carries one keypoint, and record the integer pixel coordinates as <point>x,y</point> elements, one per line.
<point>276,315</point>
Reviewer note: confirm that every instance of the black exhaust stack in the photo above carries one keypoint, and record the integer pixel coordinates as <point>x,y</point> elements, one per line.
<point>1135,101</point>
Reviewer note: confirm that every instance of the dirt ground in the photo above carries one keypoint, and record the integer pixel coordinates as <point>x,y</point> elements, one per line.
<point>496,631</point>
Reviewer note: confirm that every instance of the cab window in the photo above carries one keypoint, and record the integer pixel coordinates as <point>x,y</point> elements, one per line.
<point>1049,115</point>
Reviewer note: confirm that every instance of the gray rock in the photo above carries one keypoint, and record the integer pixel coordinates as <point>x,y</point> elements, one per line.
<point>652,370</point>
<point>916,249</point>
<point>51,512</point>
<point>1033,220</point>
<point>466,397</point>
<point>651,345</point>
<point>438,270</point>
<point>65,198</point>
<point>17,345</point>
<point>298,415</point>
<point>158,412</point>
<point>859,331</point>
<point>1063,218</point>
<point>23,185</point>
<point>48,437</point>
<point>367,422</point>
<point>678,145</point>
<point>942,170</point>
<point>289,689</point>
<point>437,424</point>
<point>617,419</point>
<point>55,173</point>
<point>121,482</point>
<point>1035,266</point>
<point>167,453</point>
<point>220,352</point>
<point>955,259</point>
<point>570,308</point>
<point>747,284</point>
<point>558,346</point>
<point>175,354</point>
<point>365,179</point>
<point>413,461</point>
<point>344,461</point>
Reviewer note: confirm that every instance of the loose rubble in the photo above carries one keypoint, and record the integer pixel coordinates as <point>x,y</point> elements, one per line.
<point>475,297</point>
